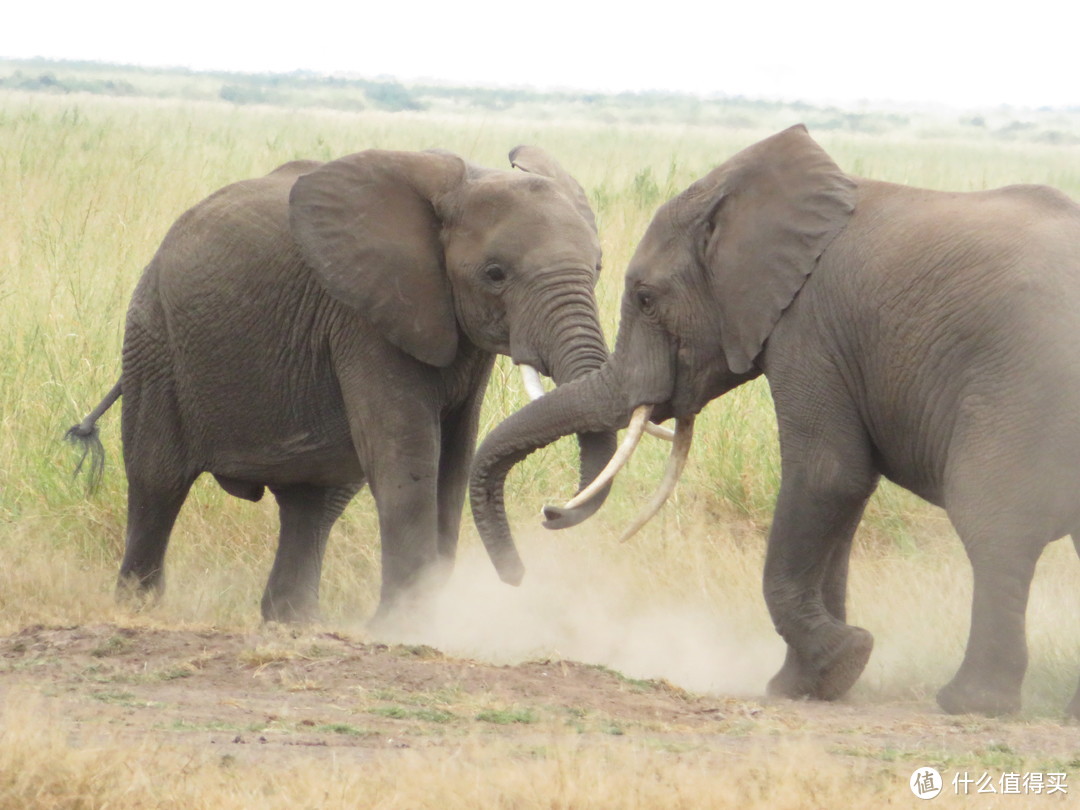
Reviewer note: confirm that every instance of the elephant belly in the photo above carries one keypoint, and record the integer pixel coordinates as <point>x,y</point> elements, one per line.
<point>293,461</point>
<point>299,438</point>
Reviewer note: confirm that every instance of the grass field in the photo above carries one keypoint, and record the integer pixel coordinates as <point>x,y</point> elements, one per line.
<point>88,187</point>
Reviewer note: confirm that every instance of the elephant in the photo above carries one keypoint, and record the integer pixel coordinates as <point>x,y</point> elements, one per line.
<point>926,336</point>
<point>334,324</point>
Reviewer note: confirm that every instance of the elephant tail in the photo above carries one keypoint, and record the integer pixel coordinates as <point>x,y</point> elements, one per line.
<point>86,434</point>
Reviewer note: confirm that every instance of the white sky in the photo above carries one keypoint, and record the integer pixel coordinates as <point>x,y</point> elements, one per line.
<point>956,52</point>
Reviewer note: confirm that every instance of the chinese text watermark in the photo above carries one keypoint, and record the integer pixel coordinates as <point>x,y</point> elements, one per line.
<point>926,783</point>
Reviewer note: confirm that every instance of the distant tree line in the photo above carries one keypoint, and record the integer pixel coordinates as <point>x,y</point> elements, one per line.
<point>49,83</point>
<point>302,89</point>
<point>306,89</point>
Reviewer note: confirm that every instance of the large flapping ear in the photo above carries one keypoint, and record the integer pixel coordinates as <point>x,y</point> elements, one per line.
<point>534,160</point>
<point>773,209</point>
<point>367,224</point>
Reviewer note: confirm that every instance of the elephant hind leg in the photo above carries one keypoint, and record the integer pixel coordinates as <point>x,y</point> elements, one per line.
<point>307,514</point>
<point>152,511</point>
<point>1003,556</point>
<point>158,458</point>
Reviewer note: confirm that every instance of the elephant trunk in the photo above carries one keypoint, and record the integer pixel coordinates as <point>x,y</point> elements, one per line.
<point>575,341</point>
<point>579,349</point>
<point>565,340</point>
<point>589,406</point>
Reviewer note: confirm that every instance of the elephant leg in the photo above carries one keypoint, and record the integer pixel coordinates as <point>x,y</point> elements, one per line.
<point>806,582</point>
<point>825,484</point>
<point>157,461</point>
<point>795,674</point>
<point>409,549</point>
<point>992,672</point>
<point>307,514</point>
<point>151,512</point>
<point>458,445</point>
<point>404,479</point>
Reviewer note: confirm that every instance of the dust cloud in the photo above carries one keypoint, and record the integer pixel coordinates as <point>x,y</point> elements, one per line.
<point>571,609</point>
<point>692,614</point>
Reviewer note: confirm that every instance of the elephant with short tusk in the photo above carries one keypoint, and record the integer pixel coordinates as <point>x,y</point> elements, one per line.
<point>332,324</point>
<point>926,336</point>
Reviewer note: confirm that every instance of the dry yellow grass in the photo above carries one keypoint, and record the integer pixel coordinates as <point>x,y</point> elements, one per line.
<point>40,768</point>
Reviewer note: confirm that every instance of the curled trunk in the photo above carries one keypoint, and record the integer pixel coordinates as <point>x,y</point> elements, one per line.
<point>566,338</point>
<point>588,406</point>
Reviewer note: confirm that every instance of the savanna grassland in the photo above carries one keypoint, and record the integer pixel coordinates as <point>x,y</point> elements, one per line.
<point>619,675</point>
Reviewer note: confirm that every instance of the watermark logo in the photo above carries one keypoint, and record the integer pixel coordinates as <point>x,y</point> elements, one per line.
<point>925,783</point>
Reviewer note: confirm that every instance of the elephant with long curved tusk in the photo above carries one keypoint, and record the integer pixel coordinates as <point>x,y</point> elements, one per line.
<point>931,337</point>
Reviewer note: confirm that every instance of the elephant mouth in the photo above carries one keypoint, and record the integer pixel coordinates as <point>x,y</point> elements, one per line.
<point>530,365</point>
<point>662,411</point>
<point>695,384</point>
<point>680,403</point>
<point>678,408</point>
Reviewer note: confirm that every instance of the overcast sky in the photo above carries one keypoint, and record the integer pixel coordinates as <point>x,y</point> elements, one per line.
<point>955,52</point>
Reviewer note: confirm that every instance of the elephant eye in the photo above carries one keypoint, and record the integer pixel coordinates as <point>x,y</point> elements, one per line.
<point>645,300</point>
<point>495,273</point>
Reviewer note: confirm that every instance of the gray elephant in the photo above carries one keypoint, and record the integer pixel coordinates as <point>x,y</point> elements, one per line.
<point>926,336</point>
<point>333,324</point>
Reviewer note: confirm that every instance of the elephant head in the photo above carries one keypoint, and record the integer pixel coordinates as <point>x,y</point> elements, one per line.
<point>437,253</point>
<point>709,281</point>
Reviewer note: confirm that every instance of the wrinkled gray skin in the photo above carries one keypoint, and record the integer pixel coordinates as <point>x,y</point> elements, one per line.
<point>927,336</point>
<point>334,324</point>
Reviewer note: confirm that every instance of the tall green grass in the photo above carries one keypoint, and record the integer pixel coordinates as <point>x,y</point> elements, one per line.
<point>88,187</point>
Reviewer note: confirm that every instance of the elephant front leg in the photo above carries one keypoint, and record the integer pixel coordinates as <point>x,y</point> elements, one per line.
<point>805,589</point>
<point>458,446</point>
<point>796,676</point>
<point>406,495</point>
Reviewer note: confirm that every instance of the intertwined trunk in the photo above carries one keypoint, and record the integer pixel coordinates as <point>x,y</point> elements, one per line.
<point>588,406</point>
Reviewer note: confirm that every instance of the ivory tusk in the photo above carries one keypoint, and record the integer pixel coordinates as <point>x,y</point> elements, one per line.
<point>530,377</point>
<point>680,450</point>
<point>659,432</point>
<point>636,427</point>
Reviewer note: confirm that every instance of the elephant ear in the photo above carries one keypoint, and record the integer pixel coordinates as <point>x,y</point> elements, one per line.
<point>368,225</point>
<point>773,209</point>
<point>534,160</point>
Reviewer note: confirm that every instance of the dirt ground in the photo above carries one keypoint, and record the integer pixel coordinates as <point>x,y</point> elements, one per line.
<point>268,694</point>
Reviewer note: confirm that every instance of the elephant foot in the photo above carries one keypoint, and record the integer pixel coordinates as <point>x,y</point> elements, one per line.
<point>832,677</point>
<point>845,665</point>
<point>405,618</point>
<point>964,695</point>
<point>289,610</point>
<point>138,592</point>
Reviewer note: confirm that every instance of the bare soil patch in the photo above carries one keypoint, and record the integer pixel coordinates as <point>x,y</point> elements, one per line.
<point>270,694</point>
